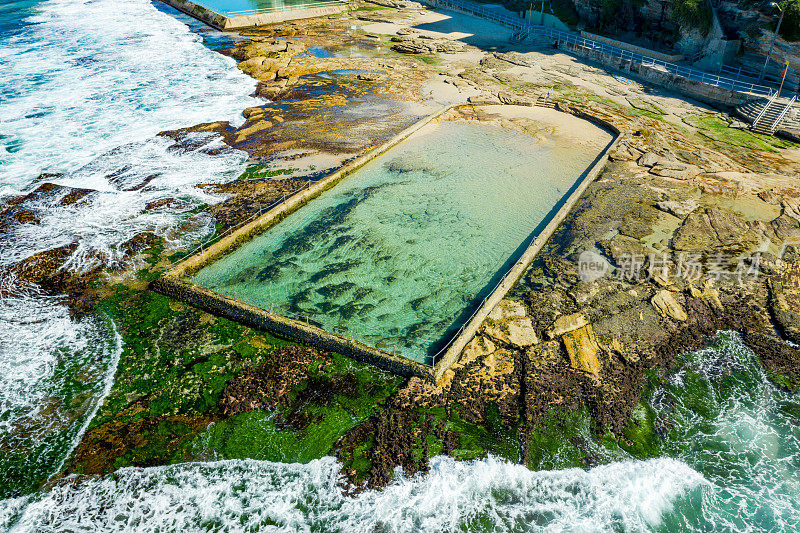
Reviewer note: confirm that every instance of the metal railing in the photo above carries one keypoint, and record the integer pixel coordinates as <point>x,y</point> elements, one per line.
<point>778,120</point>
<point>764,110</point>
<point>743,74</point>
<point>477,309</point>
<point>261,210</point>
<point>275,9</point>
<point>560,36</point>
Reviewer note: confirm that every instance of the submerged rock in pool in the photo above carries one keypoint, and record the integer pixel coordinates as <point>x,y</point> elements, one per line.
<point>412,162</point>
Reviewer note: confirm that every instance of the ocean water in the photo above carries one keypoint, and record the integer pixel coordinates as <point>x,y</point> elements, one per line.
<point>54,372</point>
<point>84,88</point>
<point>731,466</point>
<point>731,459</point>
<point>742,433</point>
<point>398,252</point>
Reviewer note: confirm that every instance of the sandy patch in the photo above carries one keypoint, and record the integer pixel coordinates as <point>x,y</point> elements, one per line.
<point>567,127</point>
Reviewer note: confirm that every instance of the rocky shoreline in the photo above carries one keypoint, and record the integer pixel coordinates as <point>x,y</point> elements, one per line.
<point>691,228</point>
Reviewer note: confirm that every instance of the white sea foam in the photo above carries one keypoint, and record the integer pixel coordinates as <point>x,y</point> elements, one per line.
<point>250,495</point>
<point>54,372</point>
<point>85,89</point>
<point>127,179</point>
<point>741,430</point>
<point>87,77</point>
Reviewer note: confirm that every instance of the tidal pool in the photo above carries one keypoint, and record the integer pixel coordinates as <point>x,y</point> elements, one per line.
<point>246,7</point>
<point>399,254</point>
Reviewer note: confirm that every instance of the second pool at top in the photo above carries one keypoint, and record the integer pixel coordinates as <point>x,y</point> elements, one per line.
<point>247,7</point>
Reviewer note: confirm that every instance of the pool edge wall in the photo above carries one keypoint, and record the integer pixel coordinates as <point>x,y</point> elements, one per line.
<point>222,22</point>
<point>255,317</point>
<point>173,284</point>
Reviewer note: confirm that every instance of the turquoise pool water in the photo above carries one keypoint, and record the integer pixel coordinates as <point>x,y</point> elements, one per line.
<point>248,7</point>
<point>399,253</point>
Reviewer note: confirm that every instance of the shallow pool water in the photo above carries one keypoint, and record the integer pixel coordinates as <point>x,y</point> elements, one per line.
<point>401,252</point>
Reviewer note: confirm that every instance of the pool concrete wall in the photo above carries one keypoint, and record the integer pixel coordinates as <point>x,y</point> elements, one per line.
<point>173,283</point>
<point>256,317</point>
<point>223,22</point>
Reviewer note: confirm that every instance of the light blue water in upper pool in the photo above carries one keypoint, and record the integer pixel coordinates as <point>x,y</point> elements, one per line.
<point>245,7</point>
<point>398,252</point>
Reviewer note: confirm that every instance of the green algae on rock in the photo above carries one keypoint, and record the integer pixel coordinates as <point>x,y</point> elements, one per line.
<point>177,365</point>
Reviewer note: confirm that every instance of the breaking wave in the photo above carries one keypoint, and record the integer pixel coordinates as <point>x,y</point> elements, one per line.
<point>54,373</point>
<point>244,495</point>
<point>86,86</point>
<point>83,78</point>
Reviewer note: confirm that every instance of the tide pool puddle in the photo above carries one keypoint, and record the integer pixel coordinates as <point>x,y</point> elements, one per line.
<point>400,253</point>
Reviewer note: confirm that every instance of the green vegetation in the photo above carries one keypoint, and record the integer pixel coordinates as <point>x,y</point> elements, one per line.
<point>693,14</point>
<point>427,433</point>
<point>259,170</point>
<point>371,7</point>
<point>430,59</point>
<point>275,435</point>
<point>638,112</point>
<point>790,27</point>
<point>560,440</point>
<point>165,405</point>
<point>175,357</point>
<point>717,129</point>
<point>474,440</point>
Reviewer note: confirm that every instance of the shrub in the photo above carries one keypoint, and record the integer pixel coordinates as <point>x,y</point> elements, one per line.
<point>790,27</point>
<point>692,13</point>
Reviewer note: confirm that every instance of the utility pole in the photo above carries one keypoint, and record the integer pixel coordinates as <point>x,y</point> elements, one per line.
<point>774,36</point>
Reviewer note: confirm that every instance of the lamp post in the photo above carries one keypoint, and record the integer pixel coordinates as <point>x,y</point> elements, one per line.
<point>775,36</point>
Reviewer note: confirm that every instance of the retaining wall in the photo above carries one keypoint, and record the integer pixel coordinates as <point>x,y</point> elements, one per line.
<point>669,58</point>
<point>698,90</point>
<point>256,317</point>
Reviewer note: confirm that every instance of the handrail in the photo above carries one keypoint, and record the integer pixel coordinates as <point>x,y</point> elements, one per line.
<point>786,109</point>
<point>261,210</point>
<point>764,109</point>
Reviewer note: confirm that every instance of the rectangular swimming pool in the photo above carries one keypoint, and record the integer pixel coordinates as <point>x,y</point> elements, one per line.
<point>401,252</point>
<point>235,8</point>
